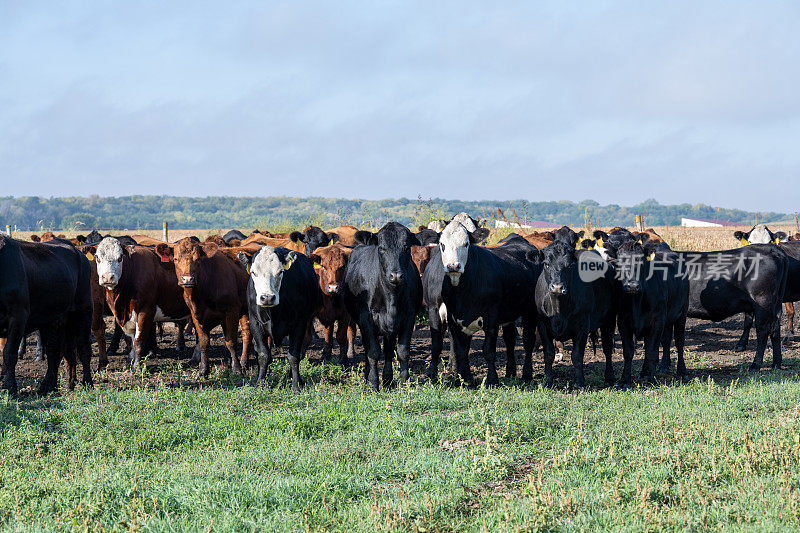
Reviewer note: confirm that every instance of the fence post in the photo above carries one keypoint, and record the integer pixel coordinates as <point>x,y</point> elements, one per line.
<point>8,230</point>
<point>166,232</point>
<point>639,223</point>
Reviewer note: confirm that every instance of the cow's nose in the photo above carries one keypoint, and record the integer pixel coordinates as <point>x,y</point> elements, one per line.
<point>187,281</point>
<point>333,288</point>
<point>108,279</point>
<point>631,287</point>
<point>558,288</point>
<point>266,299</point>
<point>395,277</point>
<point>454,267</point>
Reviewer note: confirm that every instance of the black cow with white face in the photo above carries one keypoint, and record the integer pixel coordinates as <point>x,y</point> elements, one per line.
<point>383,293</point>
<point>45,287</point>
<point>760,234</point>
<point>652,300</point>
<point>473,288</point>
<point>570,307</point>
<point>282,295</point>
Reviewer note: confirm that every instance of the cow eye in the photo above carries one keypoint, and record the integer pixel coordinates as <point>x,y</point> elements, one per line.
<point>442,246</point>
<point>119,260</point>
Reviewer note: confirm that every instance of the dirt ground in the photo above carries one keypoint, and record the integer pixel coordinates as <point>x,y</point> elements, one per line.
<point>709,353</point>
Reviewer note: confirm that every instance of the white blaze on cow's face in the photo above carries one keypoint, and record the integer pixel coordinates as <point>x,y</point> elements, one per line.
<point>454,243</point>
<point>109,257</point>
<point>267,271</point>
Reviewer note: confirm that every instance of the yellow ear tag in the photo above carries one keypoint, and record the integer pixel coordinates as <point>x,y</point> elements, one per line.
<point>287,266</point>
<point>600,242</point>
<point>89,256</point>
<point>777,240</point>
<point>317,266</point>
<point>248,269</point>
<point>651,256</point>
<point>744,242</point>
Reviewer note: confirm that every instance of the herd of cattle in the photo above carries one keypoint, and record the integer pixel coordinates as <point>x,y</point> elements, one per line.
<point>269,287</point>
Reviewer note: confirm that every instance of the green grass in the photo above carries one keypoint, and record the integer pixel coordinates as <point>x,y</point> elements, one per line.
<point>422,458</point>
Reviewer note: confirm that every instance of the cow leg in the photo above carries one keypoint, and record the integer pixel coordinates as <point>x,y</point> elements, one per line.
<point>203,342</point>
<point>16,332</point>
<point>789,309</point>
<point>23,344</point>
<point>549,350</point>
<point>68,349</point>
<point>679,329</point>
<point>777,354</point>
<point>578,350</point>
<point>452,359</point>
<point>372,350</point>
<point>39,350</point>
<point>404,353</point>
<point>436,343</point>
<point>144,330</point>
<point>389,345</point>
<point>116,337</point>
<point>351,339</point>
<point>652,343</point>
<point>490,355</point>
<point>764,328</point>
<point>528,343</point>
<point>263,351</point>
<point>80,329</point>
<point>510,339</point>
<point>99,332</point>
<point>296,339</point>
<point>230,331</point>
<point>666,343</point>
<point>607,341</point>
<point>179,325</point>
<point>741,344</point>
<point>244,324</point>
<point>460,343</point>
<point>628,350</point>
<point>344,340</point>
<point>328,348</point>
<point>52,342</point>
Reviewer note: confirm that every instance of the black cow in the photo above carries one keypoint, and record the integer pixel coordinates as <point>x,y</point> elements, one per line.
<point>95,237</point>
<point>567,235</point>
<point>45,287</point>
<point>282,295</point>
<point>233,234</point>
<point>313,238</point>
<point>750,280</point>
<point>571,308</point>
<point>652,300</point>
<point>476,288</point>
<point>383,293</point>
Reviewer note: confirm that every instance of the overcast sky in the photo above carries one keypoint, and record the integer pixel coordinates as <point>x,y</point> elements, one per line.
<point>681,101</point>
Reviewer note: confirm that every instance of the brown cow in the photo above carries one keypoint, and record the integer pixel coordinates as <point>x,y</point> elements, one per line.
<point>421,255</point>
<point>144,240</point>
<point>141,289</point>
<point>216,239</point>
<point>539,239</point>
<point>261,240</point>
<point>215,290</point>
<point>330,264</point>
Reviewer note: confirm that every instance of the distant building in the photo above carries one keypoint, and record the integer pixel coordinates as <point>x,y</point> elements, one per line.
<point>524,224</point>
<point>705,223</point>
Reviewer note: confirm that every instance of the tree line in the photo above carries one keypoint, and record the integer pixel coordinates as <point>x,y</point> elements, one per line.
<point>34,213</point>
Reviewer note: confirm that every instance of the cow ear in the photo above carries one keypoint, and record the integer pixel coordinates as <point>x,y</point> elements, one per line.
<point>587,244</point>
<point>317,260</point>
<point>128,249</point>
<point>245,259</point>
<point>165,251</point>
<point>738,235</point>
<point>649,250</point>
<point>89,252</point>
<point>333,238</point>
<point>296,237</point>
<point>289,260</point>
<point>779,236</point>
<point>363,237</point>
<point>479,235</point>
<point>642,237</point>
<point>346,250</point>
<point>580,234</point>
<point>427,237</point>
<point>535,256</point>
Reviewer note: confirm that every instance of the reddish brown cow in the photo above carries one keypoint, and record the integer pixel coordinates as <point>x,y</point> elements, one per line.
<point>215,290</point>
<point>216,239</point>
<point>330,264</point>
<point>421,255</point>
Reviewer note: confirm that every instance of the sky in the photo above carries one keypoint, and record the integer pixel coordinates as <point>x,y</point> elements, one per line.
<point>614,101</point>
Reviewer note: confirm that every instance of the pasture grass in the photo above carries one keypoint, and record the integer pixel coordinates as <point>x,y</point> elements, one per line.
<point>420,458</point>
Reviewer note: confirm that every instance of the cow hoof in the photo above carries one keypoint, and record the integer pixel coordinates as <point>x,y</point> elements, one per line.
<point>527,378</point>
<point>609,382</point>
<point>740,348</point>
<point>203,370</point>
<point>754,367</point>
<point>623,385</point>
<point>684,378</point>
<point>103,363</point>
<point>11,387</point>
<point>576,390</point>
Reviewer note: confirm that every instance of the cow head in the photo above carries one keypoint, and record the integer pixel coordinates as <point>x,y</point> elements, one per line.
<point>330,263</point>
<point>565,234</point>
<point>267,267</point>
<point>760,234</point>
<point>630,261</point>
<point>558,260</point>
<point>421,255</point>
<point>94,237</point>
<point>186,254</point>
<point>109,256</point>
<point>454,243</point>
<point>313,238</point>
<point>393,244</point>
